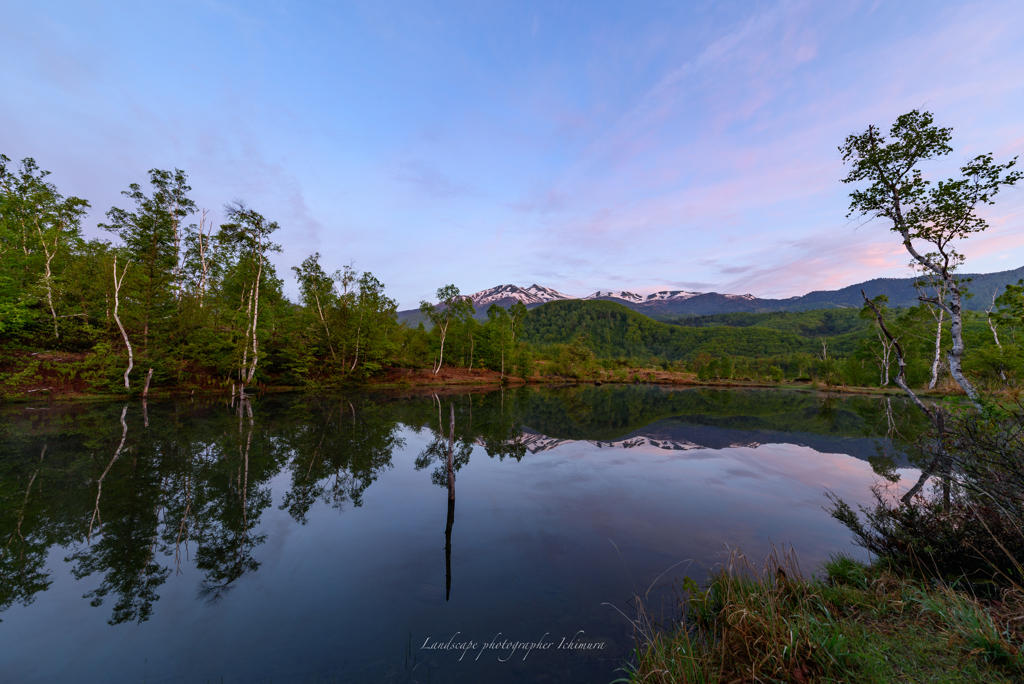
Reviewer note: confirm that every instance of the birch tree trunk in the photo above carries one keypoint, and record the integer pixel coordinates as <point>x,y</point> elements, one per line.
<point>204,244</point>
<point>995,335</point>
<point>938,350</point>
<point>440,359</point>
<point>255,319</point>
<point>956,353</point>
<point>359,332</point>
<point>48,275</point>
<point>99,483</point>
<point>326,327</point>
<point>941,459</point>
<point>451,454</point>
<point>117,292</point>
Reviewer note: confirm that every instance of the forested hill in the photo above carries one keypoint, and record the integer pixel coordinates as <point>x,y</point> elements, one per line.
<point>814,324</point>
<point>900,291</point>
<point>612,330</point>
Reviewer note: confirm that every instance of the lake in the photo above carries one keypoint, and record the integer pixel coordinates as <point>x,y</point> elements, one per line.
<point>296,538</point>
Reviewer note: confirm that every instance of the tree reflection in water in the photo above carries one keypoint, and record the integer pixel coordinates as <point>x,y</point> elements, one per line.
<point>130,502</point>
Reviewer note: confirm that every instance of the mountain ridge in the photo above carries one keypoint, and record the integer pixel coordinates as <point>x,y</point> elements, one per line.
<point>676,303</point>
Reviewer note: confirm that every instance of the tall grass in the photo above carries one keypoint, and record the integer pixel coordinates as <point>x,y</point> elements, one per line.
<point>860,623</point>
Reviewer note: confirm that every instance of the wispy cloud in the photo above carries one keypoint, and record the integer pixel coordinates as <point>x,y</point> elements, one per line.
<point>682,147</point>
<point>430,181</point>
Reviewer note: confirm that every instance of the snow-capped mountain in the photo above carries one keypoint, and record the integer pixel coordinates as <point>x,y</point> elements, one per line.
<point>625,296</point>
<point>507,294</point>
<point>535,295</point>
<point>546,293</point>
<point>660,302</point>
<point>666,295</point>
<point>538,294</point>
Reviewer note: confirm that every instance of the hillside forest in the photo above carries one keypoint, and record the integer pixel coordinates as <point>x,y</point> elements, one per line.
<point>172,302</point>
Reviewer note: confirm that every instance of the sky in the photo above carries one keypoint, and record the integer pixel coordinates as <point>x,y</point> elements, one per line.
<point>637,146</point>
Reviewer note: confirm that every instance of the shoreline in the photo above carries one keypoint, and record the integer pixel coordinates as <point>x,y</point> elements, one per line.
<point>446,379</point>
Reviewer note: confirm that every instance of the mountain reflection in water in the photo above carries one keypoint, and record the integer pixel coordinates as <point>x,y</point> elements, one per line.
<point>208,536</point>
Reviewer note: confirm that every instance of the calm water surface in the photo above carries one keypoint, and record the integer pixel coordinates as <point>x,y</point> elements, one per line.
<point>298,539</point>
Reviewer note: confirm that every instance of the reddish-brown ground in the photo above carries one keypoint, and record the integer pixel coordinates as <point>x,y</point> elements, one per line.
<point>446,376</point>
<point>59,375</point>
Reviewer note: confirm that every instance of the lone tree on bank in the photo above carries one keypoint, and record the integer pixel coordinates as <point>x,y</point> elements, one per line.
<point>923,213</point>
<point>452,307</point>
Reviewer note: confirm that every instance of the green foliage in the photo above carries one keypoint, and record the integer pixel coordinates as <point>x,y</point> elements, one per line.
<point>523,362</point>
<point>202,305</point>
<point>613,330</point>
<point>814,324</point>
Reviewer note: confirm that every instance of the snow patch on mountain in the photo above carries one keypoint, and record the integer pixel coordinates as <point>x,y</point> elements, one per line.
<point>535,294</point>
<point>627,296</point>
<point>666,295</point>
<point>546,293</point>
<point>538,294</point>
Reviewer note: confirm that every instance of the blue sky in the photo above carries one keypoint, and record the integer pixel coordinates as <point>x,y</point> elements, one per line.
<point>612,145</point>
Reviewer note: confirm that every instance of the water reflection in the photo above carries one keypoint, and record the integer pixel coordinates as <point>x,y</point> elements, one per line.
<point>136,499</point>
<point>337,451</point>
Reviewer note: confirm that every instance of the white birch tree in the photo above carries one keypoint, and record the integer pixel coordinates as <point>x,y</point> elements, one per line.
<point>922,213</point>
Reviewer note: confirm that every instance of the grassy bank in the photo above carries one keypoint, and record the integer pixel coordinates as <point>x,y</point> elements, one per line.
<point>850,623</point>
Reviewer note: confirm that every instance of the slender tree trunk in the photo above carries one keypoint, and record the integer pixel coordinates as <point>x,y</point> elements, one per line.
<point>48,277</point>
<point>955,321</point>
<point>885,360</point>
<point>245,351</point>
<point>176,273</point>
<point>203,246</point>
<point>24,505</point>
<point>255,320</point>
<point>451,503</point>
<point>938,350</point>
<point>941,459</point>
<point>359,331</point>
<point>956,353</point>
<point>49,291</point>
<point>99,483</point>
<point>448,549</point>
<point>182,531</point>
<point>117,292</point>
<point>440,359</point>
<point>451,454</point>
<point>24,235</point>
<point>995,336</point>
<point>326,328</point>
<point>355,359</point>
<point>145,390</point>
